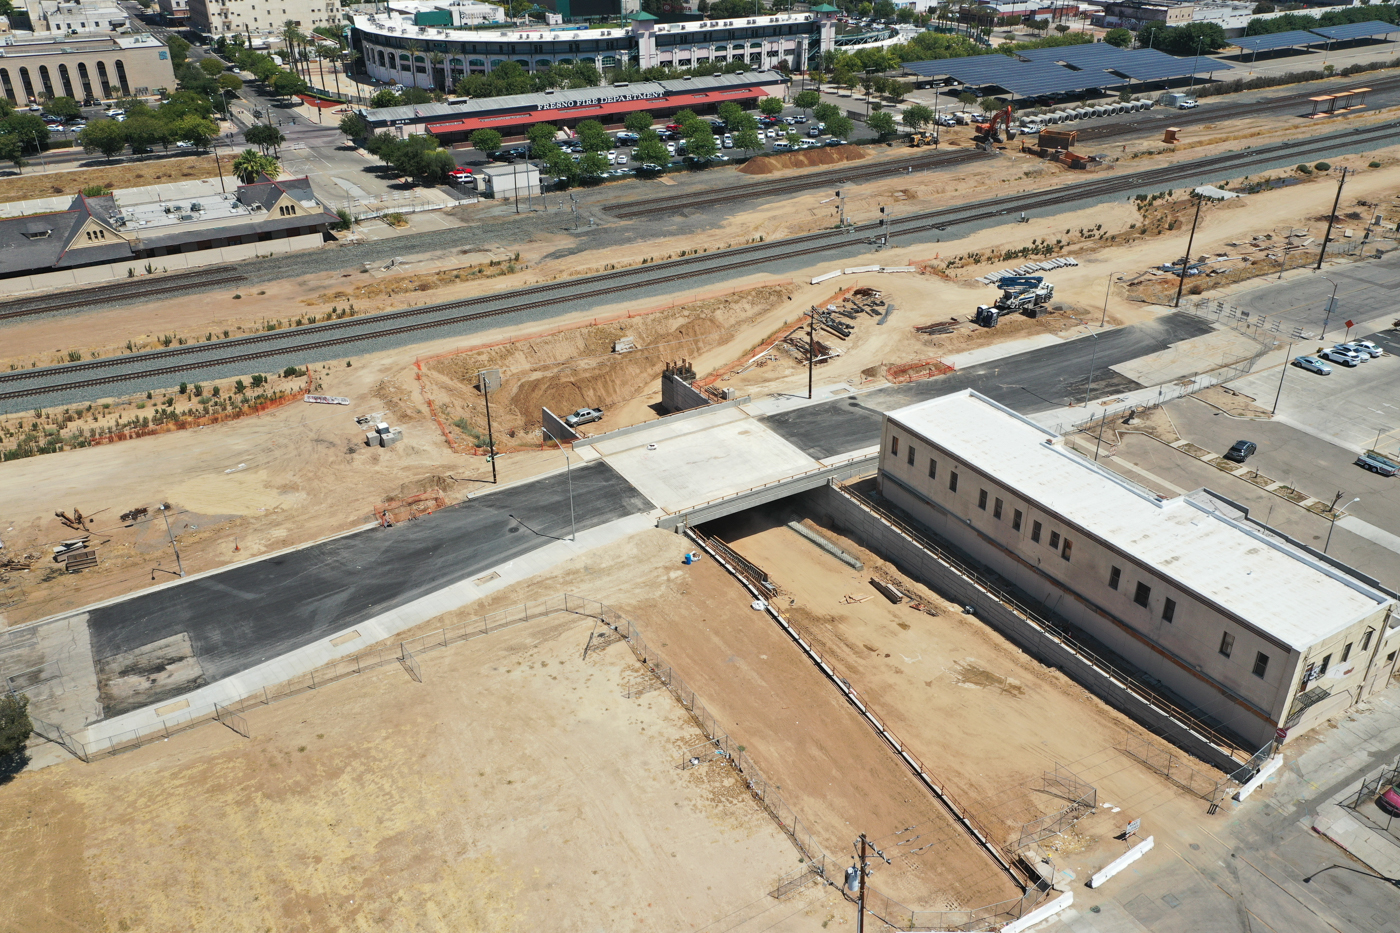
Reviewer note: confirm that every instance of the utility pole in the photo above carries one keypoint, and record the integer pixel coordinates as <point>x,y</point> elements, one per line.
<point>490,438</point>
<point>1322,254</point>
<point>811,347</point>
<point>855,883</point>
<point>1186,262</point>
<point>568,471</point>
<point>178,565</point>
<point>1278,395</point>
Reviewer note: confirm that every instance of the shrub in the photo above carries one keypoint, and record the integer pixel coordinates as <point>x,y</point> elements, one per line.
<point>1374,165</point>
<point>1323,166</point>
<point>1305,169</point>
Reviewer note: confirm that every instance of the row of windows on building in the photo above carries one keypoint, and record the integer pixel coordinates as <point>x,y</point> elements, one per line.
<point>502,48</point>
<point>1142,593</point>
<point>47,89</point>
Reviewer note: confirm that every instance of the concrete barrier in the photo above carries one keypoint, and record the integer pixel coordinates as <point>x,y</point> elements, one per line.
<point>1122,862</point>
<point>1254,783</point>
<point>829,275</point>
<point>1043,912</point>
<point>856,270</point>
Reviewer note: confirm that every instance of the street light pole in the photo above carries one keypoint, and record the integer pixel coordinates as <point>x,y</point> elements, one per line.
<point>178,565</point>
<point>1331,303</point>
<point>1279,394</point>
<point>1186,262</point>
<point>1336,513</point>
<point>1093,357</point>
<point>1327,237</point>
<point>811,347</point>
<point>1103,320</point>
<point>1196,61</point>
<point>490,437</point>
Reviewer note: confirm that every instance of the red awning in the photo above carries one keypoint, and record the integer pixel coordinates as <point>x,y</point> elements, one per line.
<point>595,111</point>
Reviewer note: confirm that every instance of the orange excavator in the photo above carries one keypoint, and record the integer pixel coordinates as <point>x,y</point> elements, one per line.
<point>986,133</point>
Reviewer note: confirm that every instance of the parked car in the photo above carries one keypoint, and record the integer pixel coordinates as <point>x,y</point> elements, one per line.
<point>1338,355</point>
<point>584,416</point>
<point>781,145</point>
<point>727,142</point>
<point>835,142</point>
<point>1313,365</point>
<point>627,138</point>
<point>772,134</point>
<point>1367,345</point>
<point>814,132</point>
<point>1378,463</point>
<point>1390,801</point>
<point>1361,352</point>
<point>790,121</point>
<point>650,167</point>
<point>799,119</point>
<point>1241,451</point>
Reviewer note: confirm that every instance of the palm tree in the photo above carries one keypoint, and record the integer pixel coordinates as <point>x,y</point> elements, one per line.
<point>438,59</point>
<point>250,164</point>
<point>413,49</point>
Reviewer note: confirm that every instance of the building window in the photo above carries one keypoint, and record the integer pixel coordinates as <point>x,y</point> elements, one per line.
<point>1227,644</point>
<point>1366,639</point>
<point>44,80</point>
<point>894,446</point>
<point>982,499</point>
<point>952,482</point>
<point>9,88</point>
<point>1142,594</point>
<point>1346,653</point>
<point>1307,678</point>
<point>1169,610</point>
<point>102,79</point>
<point>1054,540</point>
<point>1066,548</point>
<point>910,457</point>
<point>1326,663</point>
<point>67,81</point>
<point>1035,532</point>
<point>28,85</point>
<point>1114,575</point>
<point>932,468</point>
<point>1016,520</point>
<point>1261,663</point>
<point>996,510</point>
<point>121,78</point>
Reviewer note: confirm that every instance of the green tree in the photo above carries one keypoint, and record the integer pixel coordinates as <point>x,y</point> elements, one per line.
<point>1119,37</point>
<point>806,100</point>
<point>841,127</point>
<point>884,9</point>
<point>285,84</point>
<point>593,137</point>
<point>540,133</point>
<point>701,143</point>
<point>211,66</point>
<point>229,82</point>
<point>562,167</point>
<point>104,136</point>
<point>882,123</point>
<point>263,136</point>
<point>15,726</point>
<point>748,140</point>
<point>917,116</point>
<point>650,149</point>
<point>354,126</point>
<point>638,121</point>
<point>250,164</point>
<point>592,165</point>
<point>65,107</point>
<point>990,104</point>
<point>194,130</point>
<point>385,98</point>
<point>12,151</point>
<point>825,112</point>
<point>731,113</point>
<point>179,50</point>
<point>967,99</point>
<point>486,141</point>
<point>28,128</point>
<point>770,106</point>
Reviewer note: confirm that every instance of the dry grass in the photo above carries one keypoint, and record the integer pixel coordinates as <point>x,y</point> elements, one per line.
<point>53,184</point>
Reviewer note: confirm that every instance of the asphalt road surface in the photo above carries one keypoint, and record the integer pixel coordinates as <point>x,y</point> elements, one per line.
<point>252,612</point>
<point>1030,382</point>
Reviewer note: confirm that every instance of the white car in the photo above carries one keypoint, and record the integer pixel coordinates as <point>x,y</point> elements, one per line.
<point>115,112</point>
<point>1313,365</point>
<point>1340,355</point>
<point>772,134</point>
<point>182,144</point>
<point>1363,354</point>
<point>1375,351</point>
<point>622,158</point>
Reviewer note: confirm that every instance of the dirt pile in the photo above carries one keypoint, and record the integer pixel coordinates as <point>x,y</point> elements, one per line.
<point>53,184</point>
<point>577,368</point>
<point>806,158</point>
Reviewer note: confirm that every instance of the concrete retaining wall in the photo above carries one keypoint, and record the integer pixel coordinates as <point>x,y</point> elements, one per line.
<point>846,516</point>
<point>678,395</point>
<point>781,489</point>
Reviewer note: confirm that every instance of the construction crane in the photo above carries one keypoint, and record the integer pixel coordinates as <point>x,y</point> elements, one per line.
<point>986,133</point>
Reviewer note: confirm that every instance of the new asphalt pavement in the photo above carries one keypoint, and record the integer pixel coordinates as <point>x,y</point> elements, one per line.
<point>250,613</point>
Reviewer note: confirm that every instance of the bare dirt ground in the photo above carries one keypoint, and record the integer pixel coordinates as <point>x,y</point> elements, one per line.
<point>52,184</point>
<point>985,718</point>
<point>515,788</point>
<point>304,476</point>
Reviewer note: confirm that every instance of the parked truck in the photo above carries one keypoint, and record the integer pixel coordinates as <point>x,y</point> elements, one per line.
<point>1027,294</point>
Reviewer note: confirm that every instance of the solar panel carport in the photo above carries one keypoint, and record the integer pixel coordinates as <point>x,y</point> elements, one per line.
<point>1277,40</point>
<point>971,69</point>
<point>1040,79</point>
<point>1152,65</point>
<point>1357,30</point>
<point>1090,55</point>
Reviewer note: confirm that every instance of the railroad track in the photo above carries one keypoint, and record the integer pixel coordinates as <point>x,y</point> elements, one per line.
<point>628,210</point>
<point>141,288</point>
<point>175,361</point>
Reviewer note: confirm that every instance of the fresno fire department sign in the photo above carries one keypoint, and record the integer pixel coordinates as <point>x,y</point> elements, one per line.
<point>612,98</point>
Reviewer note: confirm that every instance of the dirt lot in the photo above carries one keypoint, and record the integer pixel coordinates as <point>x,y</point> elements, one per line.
<point>537,798</point>
<point>51,184</point>
<point>986,719</point>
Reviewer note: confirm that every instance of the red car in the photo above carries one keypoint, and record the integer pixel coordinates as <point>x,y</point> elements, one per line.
<point>674,127</point>
<point>1390,801</point>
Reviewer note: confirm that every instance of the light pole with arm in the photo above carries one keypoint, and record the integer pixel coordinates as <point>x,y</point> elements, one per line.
<point>568,471</point>
<point>1103,320</point>
<point>1331,302</point>
<point>1336,513</point>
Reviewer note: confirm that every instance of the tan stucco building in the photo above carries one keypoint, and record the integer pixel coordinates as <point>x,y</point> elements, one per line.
<point>261,17</point>
<point>84,68</point>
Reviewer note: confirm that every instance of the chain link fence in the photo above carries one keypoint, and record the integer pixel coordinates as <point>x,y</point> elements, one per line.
<point>1175,769</point>
<point>1083,798</point>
